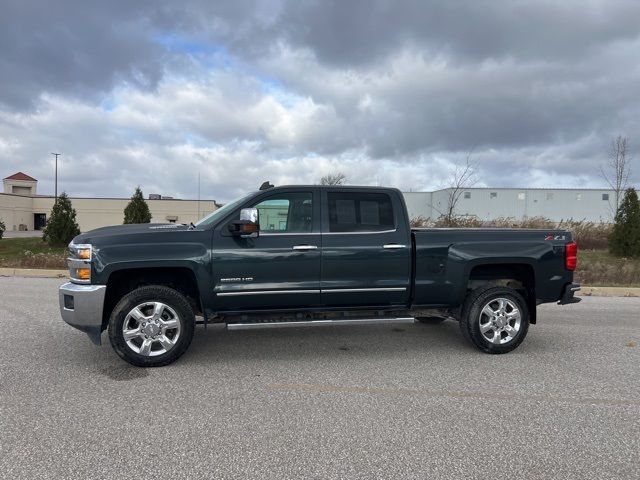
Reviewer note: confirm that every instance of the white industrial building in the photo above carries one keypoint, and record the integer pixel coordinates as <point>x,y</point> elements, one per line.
<point>556,204</point>
<point>21,208</point>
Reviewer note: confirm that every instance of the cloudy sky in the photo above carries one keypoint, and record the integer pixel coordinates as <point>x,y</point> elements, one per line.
<point>389,92</point>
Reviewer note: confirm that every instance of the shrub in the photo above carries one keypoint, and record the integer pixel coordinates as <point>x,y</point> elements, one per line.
<point>61,226</point>
<point>420,222</point>
<point>137,211</point>
<point>625,237</point>
<point>2,228</point>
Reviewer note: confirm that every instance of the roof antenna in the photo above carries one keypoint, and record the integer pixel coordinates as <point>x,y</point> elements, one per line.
<point>266,185</point>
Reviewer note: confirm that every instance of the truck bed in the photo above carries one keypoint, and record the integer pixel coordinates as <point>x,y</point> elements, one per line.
<point>445,255</point>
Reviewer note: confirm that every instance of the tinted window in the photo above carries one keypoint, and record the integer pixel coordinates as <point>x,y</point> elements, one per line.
<point>286,213</point>
<point>360,212</point>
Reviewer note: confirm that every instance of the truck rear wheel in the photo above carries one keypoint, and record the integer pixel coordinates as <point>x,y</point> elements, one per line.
<point>151,326</point>
<point>495,319</point>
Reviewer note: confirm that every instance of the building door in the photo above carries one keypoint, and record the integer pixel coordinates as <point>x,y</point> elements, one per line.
<point>39,221</point>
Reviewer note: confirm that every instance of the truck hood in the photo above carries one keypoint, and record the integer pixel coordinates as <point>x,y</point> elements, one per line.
<point>125,230</point>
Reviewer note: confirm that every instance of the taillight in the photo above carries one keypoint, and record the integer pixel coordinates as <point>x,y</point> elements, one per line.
<point>571,256</point>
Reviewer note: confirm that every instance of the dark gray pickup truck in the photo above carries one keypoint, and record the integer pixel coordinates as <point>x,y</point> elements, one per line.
<point>305,254</point>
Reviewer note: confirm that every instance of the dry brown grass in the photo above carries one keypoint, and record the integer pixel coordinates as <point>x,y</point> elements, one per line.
<point>31,253</point>
<point>599,268</point>
<point>589,235</point>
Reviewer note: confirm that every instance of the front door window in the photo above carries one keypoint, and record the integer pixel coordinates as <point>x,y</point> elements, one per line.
<point>286,213</point>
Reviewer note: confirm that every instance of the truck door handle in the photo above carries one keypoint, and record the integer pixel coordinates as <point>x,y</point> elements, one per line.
<point>393,246</point>
<point>304,247</point>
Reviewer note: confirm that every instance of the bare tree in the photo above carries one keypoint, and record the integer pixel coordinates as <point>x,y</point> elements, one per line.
<point>462,177</point>
<point>337,178</point>
<point>617,170</point>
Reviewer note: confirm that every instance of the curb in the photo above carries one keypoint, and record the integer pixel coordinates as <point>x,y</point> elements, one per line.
<point>585,291</point>
<point>33,273</point>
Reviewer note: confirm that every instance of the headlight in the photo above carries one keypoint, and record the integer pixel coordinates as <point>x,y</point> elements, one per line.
<point>80,262</point>
<point>81,251</point>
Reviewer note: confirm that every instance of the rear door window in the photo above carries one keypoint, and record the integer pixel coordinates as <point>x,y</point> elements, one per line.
<point>360,212</point>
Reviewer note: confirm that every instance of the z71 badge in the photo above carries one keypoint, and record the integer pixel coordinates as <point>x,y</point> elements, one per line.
<point>555,237</point>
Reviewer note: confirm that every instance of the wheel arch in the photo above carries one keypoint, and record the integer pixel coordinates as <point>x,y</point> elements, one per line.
<point>517,275</point>
<point>122,281</point>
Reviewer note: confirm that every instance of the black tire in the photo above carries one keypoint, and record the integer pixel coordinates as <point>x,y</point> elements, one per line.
<point>152,293</point>
<point>471,312</point>
<point>431,320</point>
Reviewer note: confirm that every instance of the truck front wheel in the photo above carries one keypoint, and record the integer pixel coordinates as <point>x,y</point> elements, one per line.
<point>151,326</point>
<point>495,319</point>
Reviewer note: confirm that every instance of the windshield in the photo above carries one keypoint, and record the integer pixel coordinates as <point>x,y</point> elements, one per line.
<point>221,212</point>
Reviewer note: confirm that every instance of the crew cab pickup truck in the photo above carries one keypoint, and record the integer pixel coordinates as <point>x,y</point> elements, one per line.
<point>305,254</point>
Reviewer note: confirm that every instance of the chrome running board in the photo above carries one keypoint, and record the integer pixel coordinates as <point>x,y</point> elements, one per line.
<point>308,323</point>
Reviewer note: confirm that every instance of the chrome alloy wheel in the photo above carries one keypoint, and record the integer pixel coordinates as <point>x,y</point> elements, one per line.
<point>151,329</point>
<point>500,320</point>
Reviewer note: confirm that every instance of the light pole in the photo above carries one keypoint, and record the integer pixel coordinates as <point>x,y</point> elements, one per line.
<point>56,194</point>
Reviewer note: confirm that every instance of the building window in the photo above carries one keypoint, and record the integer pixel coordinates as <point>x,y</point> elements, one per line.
<point>605,197</point>
<point>493,195</point>
<point>549,195</point>
<point>578,196</point>
<point>467,194</point>
<point>521,196</point>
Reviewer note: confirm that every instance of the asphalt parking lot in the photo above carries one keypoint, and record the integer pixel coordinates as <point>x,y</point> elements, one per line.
<point>385,401</point>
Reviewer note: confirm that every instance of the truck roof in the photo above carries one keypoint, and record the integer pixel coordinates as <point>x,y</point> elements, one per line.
<point>346,187</point>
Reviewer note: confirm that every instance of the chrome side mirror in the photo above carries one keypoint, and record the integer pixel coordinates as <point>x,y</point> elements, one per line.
<point>248,226</point>
<point>249,214</point>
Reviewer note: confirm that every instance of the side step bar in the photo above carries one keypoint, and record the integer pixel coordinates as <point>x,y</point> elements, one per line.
<point>307,323</point>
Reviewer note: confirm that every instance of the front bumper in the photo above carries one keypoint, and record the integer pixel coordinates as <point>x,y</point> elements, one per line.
<point>568,294</point>
<point>81,307</point>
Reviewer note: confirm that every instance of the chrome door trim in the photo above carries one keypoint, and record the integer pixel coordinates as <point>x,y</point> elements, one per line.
<point>262,292</point>
<point>392,246</point>
<point>324,290</point>
<point>357,290</point>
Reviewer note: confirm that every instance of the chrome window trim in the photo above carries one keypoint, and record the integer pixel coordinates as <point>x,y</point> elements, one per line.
<point>284,234</point>
<point>359,232</point>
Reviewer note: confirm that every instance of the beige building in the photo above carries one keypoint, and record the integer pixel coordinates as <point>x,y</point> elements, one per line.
<point>21,208</point>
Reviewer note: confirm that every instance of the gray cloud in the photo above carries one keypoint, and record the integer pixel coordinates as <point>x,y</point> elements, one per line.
<point>389,92</point>
<point>75,48</point>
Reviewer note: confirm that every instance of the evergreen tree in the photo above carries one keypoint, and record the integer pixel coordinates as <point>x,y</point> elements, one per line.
<point>2,228</point>
<point>137,211</point>
<point>61,226</point>
<point>625,238</point>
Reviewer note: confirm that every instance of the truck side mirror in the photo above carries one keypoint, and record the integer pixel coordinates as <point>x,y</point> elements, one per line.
<point>248,226</point>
